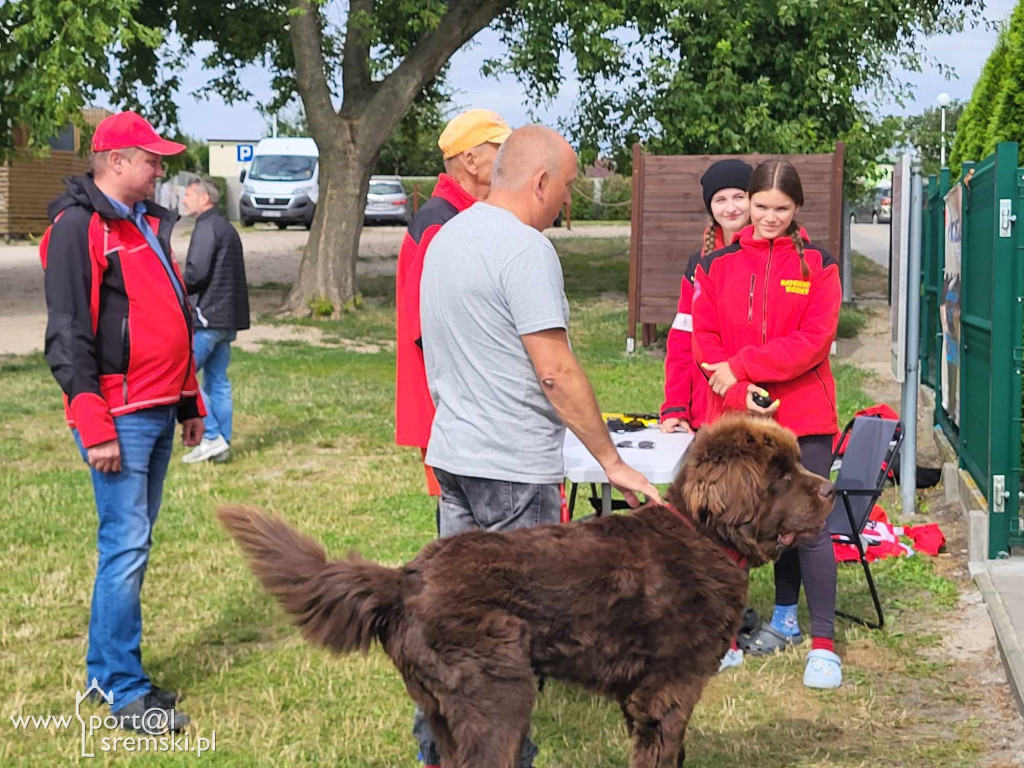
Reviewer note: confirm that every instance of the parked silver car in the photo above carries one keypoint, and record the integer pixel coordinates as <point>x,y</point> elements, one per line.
<point>387,201</point>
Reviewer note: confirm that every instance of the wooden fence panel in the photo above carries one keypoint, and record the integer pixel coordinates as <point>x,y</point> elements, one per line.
<point>33,183</point>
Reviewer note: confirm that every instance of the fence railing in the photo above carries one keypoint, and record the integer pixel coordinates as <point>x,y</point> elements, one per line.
<point>979,311</point>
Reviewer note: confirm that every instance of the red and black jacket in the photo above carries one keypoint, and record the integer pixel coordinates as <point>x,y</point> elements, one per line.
<point>686,388</point>
<point>118,337</point>
<point>754,308</point>
<point>414,410</point>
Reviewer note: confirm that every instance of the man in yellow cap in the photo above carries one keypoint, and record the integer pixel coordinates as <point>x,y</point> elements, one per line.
<point>469,144</point>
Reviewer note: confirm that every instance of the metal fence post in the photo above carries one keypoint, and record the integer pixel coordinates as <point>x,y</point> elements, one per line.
<point>908,453</point>
<point>963,381</point>
<point>1004,402</point>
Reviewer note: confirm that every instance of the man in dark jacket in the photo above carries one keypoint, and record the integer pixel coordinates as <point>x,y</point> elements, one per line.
<point>119,343</point>
<point>215,280</point>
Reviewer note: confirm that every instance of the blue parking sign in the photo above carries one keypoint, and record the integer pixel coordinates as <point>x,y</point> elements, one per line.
<point>244,152</point>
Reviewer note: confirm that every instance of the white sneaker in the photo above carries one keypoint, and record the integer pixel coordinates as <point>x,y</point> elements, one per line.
<point>207,449</point>
<point>733,658</point>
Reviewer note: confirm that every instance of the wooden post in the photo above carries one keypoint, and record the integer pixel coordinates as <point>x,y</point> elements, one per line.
<point>415,196</point>
<point>835,215</point>
<point>568,214</point>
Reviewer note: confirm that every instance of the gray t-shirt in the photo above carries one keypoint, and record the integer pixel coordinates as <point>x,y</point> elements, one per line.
<point>487,280</point>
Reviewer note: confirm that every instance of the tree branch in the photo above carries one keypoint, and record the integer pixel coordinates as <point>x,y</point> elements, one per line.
<point>355,60</point>
<point>306,33</point>
<point>463,20</point>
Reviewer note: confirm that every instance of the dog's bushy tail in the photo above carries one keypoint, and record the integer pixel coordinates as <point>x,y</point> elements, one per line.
<point>342,604</point>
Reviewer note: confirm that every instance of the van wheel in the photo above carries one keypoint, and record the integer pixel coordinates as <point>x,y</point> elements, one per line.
<point>874,218</point>
<point>282,225</point>
<point>308,225</point>
<point>247,222</point>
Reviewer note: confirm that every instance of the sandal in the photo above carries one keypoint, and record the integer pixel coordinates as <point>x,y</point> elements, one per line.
<point>767,640</point>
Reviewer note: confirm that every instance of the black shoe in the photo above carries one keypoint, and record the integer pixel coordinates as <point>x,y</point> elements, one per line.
<point>146,715</point>
<point>165,697</point>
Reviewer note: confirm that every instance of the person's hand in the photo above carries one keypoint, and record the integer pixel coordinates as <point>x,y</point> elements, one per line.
<point>105,457</point>
<point>192,431</point>
<point>754,407</point>
<point>629,483</point>
<point>722,377</point>
<point>675,425</point>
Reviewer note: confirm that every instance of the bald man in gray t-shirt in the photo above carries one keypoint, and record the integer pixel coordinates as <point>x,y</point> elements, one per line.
<point>499,366</point>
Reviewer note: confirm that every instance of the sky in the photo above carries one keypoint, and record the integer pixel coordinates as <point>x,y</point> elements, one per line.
<point>965,53</point>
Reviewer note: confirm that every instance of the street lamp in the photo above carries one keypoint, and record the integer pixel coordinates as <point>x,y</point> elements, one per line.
<point>943,101</point>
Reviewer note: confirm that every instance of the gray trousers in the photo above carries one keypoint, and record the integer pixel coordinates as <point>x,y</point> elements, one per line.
<point>475,503</point>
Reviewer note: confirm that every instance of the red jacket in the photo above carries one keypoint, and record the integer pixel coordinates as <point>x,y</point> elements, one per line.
<point>753,307</point>
<point>119,328</point>
<point>414,410</point>
<point>686,389</point>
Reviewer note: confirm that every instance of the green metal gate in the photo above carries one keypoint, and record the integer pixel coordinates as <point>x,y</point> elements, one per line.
<point>990,355</point>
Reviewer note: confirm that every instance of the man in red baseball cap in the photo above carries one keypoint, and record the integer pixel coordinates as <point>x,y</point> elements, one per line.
<point>119,343</point>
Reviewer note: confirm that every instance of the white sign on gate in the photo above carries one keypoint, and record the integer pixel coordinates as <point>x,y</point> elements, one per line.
<point>949,307</point>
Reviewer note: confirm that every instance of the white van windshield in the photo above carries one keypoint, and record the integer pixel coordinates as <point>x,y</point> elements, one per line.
<point>282,168</point>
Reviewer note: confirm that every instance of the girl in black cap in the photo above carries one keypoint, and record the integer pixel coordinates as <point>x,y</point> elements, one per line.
<point>725,196</point>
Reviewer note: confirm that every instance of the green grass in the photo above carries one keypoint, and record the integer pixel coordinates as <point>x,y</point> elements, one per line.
<point>869,279</point>
<point>851,321</point>
<point>314,442</point>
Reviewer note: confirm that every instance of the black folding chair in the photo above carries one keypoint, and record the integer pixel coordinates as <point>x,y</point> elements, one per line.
<point>869,454</point>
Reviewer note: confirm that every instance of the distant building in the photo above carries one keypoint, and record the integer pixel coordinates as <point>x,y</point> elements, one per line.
<point>28,184</point>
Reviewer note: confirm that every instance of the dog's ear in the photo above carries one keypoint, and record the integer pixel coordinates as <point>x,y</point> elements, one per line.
<point>723,481</point>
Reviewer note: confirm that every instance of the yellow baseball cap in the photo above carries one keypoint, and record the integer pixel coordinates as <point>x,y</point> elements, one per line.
<point>470,129</point>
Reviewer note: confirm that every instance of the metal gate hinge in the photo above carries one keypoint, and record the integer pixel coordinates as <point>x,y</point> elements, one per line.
<point>1006,217</point>
<point>999,493</point>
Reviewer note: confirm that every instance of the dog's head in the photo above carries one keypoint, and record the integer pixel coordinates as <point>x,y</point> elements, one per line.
<point>742,481</point>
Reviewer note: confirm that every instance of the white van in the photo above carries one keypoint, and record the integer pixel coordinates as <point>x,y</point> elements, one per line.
<point>282,183</point>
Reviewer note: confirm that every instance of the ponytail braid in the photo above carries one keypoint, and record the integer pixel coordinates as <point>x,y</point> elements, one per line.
<point>798,243</point>
<point>709,238</point>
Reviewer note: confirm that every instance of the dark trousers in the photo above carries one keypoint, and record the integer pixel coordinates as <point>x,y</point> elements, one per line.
<point>814,563</point>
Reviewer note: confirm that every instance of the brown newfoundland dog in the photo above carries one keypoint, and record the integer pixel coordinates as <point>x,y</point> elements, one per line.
<point>639,607</point>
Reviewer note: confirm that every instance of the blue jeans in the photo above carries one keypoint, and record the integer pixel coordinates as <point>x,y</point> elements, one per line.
<point>213,353</point>
<point>127,502</point>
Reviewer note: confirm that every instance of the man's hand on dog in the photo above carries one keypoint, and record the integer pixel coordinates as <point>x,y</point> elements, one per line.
<point>629,483</point>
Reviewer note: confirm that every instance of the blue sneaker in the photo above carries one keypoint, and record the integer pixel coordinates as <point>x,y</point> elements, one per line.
<point>824,670</point>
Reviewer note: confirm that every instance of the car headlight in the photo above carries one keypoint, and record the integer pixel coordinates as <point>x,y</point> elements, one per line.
<point>247,190</point>
<point>308,189</point>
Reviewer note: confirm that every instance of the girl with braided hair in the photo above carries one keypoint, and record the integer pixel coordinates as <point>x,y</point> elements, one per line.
<point>765,311</point>
<point>724,187</point>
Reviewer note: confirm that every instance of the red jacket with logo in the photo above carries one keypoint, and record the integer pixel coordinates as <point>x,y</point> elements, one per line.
<point>753,308</point>
<point>686,389</point>
<point>414,410</point>
<point>118,334</point>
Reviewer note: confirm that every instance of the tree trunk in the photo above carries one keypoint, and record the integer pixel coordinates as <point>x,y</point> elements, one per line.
<point>351,138</point>
<point>327,277</point>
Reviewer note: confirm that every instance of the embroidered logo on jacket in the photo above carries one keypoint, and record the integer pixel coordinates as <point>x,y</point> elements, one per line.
<point>803,287</point>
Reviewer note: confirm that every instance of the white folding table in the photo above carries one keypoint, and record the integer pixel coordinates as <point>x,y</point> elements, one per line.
<point>659,464</point>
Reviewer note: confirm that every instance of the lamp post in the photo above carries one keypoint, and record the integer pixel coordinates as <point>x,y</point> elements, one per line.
<point>943,101</point>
